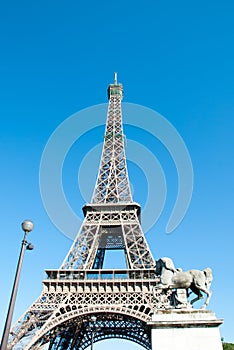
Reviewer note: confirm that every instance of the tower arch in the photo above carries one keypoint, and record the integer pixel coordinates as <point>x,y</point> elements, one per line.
<point>78,332</point>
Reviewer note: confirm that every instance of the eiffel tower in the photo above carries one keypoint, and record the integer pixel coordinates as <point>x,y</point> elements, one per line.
<point>81,302</point>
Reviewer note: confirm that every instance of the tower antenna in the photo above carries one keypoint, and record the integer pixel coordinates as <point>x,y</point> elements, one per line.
<point>115,78</point>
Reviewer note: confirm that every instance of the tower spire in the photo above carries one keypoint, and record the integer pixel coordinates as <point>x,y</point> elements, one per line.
<point>112,185</point>
<point>115,78</point>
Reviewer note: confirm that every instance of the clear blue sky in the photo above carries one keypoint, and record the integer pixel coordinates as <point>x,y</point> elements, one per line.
<point>175,57</point>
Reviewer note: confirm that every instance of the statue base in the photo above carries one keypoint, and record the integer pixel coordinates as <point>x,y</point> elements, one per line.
<point>185,329</point>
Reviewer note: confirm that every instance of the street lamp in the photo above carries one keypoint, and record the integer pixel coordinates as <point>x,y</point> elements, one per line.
<point>27,226</point>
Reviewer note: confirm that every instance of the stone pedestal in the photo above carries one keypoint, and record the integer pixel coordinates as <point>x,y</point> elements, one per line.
<point>185,330</point>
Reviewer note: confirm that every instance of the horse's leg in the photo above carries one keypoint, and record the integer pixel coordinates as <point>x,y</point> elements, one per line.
<point>208,293</point>
<point>208,296</point>
<point>197,292</point>
<point>198,297</point>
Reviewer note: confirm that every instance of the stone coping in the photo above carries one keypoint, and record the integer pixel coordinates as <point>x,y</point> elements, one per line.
<point>184,318</point>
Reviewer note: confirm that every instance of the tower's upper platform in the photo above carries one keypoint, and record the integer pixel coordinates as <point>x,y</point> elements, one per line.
<point>115,89</point>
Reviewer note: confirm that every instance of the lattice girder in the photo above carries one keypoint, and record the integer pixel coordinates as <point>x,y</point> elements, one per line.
<point>92,235</point>
<point>69,295</point>
<point>112,182</point>
<point>107,326</point>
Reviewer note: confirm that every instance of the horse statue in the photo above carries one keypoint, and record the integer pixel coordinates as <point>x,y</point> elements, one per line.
<point>195,280</point>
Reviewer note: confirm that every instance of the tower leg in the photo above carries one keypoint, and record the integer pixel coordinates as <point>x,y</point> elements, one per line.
<point>183,330</point>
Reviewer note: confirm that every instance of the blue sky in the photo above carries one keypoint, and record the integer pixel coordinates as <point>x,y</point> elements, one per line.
<point>175,57</point>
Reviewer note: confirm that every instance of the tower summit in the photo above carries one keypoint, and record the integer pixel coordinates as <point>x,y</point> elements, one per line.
<point>115,89</point>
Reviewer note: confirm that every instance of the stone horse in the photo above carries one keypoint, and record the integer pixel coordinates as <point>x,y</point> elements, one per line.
<point>195,280</point>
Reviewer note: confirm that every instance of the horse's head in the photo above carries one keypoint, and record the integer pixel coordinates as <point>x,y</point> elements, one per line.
<point>159,265</point>
<point>209,276</point>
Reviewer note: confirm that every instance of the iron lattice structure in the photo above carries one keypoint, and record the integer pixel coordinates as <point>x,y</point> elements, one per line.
<point>121,300</point>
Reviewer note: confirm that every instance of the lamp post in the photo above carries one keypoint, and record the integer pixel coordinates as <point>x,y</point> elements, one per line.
<point>27,226</point>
